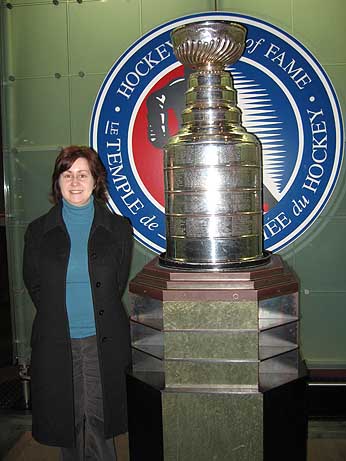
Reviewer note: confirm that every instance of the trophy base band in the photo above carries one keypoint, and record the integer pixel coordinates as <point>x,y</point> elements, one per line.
<point>164,261</point>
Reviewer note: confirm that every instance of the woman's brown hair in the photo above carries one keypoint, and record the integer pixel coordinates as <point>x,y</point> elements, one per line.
<point>64,161</point>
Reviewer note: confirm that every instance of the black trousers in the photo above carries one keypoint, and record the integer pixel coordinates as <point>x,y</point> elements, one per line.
<point>88,402</point>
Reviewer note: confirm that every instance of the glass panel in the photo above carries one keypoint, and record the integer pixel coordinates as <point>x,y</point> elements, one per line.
<point>84,90</point>
<point>142,362</point>
<point>320,264</point>
<point>38,40</point>
<point>33,188</point>
<point>147,340</point>
<point>147,310</point>
<point>278,340</point>
<point>323,329</point>
<point>279,13</point>
<point>278,311</point>
<point>39,112</point>
<point>100,31</point>
<point>327,43</point>
<point>22,308</point>
<point>153,14</point>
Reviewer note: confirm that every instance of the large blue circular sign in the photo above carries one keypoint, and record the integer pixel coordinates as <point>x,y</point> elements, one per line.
<point>286,99</point>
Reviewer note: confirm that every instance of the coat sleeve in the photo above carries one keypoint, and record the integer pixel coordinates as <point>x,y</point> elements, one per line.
<point>125,257</point>
<point>31,273</point>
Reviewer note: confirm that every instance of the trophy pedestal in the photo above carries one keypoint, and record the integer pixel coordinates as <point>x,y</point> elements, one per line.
<point>216,367</point>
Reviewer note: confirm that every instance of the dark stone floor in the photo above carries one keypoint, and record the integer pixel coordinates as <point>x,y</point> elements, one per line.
<point>16,443</point>
<point>327,441</point>
<point>326,438</point>
<point>12,425</point>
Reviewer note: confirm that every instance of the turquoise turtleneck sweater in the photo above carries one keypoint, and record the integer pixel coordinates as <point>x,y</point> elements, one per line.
<point>79,303</point>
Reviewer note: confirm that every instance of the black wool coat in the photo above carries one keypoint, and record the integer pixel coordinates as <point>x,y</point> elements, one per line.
<point>46,255</point>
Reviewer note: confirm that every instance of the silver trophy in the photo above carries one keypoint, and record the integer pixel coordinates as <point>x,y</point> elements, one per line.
<point>213,166</point>
<point>216,366</point>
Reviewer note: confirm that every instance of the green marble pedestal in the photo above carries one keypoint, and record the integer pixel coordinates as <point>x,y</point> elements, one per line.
<point>212,351</point>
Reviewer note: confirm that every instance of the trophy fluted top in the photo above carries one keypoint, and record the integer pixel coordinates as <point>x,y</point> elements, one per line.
<point>209,44</point>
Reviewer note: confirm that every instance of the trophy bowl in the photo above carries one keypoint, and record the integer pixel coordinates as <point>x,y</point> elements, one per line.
<point>209,44</point>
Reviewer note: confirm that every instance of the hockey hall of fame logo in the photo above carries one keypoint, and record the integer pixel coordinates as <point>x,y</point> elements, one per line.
<point>286,100</point>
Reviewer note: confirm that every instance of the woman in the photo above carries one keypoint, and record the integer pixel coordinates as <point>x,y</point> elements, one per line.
<point>76,264</point>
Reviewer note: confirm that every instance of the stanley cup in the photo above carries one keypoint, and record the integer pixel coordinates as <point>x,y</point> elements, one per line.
<point>213,166</point>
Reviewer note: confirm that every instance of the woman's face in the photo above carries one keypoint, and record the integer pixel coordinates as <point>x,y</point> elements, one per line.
<point>77,183</point>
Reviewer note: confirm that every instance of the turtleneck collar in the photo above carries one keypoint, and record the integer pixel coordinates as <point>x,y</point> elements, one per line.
<point>80,214</point>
